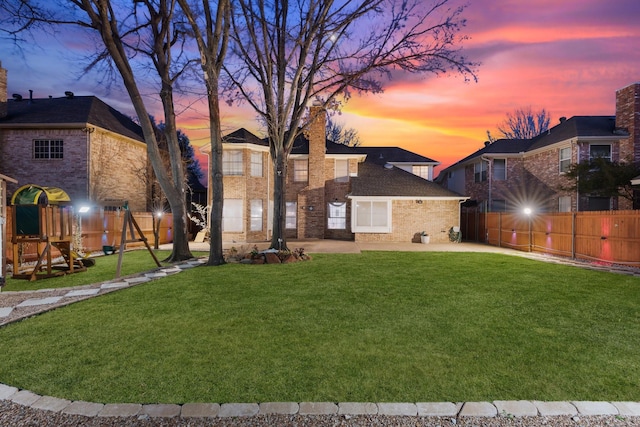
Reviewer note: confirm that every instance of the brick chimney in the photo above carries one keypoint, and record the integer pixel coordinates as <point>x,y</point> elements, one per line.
<point>3,92</point>
<point>628,119</point>
<point>312,198</point>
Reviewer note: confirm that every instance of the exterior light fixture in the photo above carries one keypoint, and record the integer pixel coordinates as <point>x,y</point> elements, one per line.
<point>84,209</point>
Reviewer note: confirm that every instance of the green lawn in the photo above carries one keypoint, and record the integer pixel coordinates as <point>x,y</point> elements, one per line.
<point>105,269</point>
<point>377,326</point>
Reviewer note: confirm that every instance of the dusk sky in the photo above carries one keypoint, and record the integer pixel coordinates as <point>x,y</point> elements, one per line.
<point>567,56</point>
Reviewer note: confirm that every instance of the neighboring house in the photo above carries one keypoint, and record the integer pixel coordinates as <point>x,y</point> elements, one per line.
<point>334,191</point>
<point>76,143</point>
<point>508,175</point>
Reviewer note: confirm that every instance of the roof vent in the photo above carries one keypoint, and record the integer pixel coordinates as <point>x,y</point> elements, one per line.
<point>69,94</point>
<point>563,119</point>
<point>388,166</point>
<point>17,97</point>
<point>487,143</point>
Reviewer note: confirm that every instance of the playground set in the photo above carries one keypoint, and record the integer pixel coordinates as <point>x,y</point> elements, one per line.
<point>44,217</point>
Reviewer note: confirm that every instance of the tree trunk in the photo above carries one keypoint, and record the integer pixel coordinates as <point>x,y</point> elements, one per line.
<point>216,256</point>
<point>279,239</point>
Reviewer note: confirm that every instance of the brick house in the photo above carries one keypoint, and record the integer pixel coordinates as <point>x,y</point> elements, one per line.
<point>507,175</point>
<point>334,191</point>
<point>76,143</point>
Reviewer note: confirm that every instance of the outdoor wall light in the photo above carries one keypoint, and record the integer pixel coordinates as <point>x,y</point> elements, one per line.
<point>84,209</point>
<point>527,211</point>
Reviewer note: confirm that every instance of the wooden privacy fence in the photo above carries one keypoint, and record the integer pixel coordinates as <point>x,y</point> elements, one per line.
<point>102,228</point>
<point>603,236</point>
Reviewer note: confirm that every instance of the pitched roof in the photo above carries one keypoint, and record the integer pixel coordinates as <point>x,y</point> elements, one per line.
<point>377,180</point>
<point>243,136</point>
<point>382,155</point>
<point>80,110</point>
<point>575,127</point>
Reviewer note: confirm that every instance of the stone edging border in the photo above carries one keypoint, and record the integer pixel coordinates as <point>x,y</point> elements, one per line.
<point>503,408</point>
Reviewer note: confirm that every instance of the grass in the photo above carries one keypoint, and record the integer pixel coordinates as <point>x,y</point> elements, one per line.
<point>105,269</point>
<point>377,326</point>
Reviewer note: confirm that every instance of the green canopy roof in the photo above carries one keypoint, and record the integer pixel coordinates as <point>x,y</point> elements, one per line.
<point>30,195</point>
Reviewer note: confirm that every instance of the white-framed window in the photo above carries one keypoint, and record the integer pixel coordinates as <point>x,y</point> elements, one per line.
<point>232,215</point>
<point>480,171</point>
<point>498,205</point>
<point>337,216</point>
<point>600,151</point>
<point>565,161</point>
<point>291,215</point>
<point>500,169</point>
<point>371,216</point>
<point>564,204</point>
<point>256,215</point>
<point>301,170</point>
<point>47,149</point>
<point>342,170</point>
<point>421,170</point>
<point>256,164</point>
<point>232,162</point>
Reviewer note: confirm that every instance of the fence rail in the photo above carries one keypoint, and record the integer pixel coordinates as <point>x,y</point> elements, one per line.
<point>99,229</point>
<point>603,236</point>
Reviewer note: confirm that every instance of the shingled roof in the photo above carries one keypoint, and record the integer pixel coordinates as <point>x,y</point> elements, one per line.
<point>382,155</point>
<point>575,127</point>
<point>72,110</point>
<point>389,181</point>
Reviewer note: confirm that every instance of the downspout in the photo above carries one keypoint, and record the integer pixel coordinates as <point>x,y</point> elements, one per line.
<point>88,131</point>
<point>269,223</point>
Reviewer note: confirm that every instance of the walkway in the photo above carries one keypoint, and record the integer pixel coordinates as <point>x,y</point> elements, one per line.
<point>18,305</point>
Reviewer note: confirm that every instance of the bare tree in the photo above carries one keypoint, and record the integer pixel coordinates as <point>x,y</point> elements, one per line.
<point>338,133</point>
<point>211,33</point>
<point>125,37</point>
<point>523,123</point>
<point>289,53</point>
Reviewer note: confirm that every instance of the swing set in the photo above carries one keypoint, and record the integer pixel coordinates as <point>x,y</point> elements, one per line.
<point>44,216</point>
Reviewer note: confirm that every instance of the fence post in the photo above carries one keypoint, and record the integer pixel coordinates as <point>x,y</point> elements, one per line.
<point>573,235</point>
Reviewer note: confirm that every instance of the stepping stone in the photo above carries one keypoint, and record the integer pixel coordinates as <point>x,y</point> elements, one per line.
<point>136,280</point>
<point>41,301</point>
<point>114,285</point>
<point>5,311</point>
<point>155,275</point>
<point>172,270</point>
<point>82,292</point>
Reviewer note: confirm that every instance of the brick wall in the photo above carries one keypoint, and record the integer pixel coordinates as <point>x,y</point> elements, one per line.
<point>69,173</point>
<point>410,218</point>
<point>118,168</point>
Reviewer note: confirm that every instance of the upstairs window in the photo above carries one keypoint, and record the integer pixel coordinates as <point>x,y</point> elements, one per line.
<point>342,170</point>
<point>301,170</point>
<point>256,164</point>
<point>421,170</point>
<point>46,149</point>
<point>565,160</point>
<point>600,151</point>
<point>232,162</point>
<point>480,171</point>
<point>499,169</point>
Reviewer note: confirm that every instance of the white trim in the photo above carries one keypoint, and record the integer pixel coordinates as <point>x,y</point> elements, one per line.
<point>377,198</point>
<point>371,229</point>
